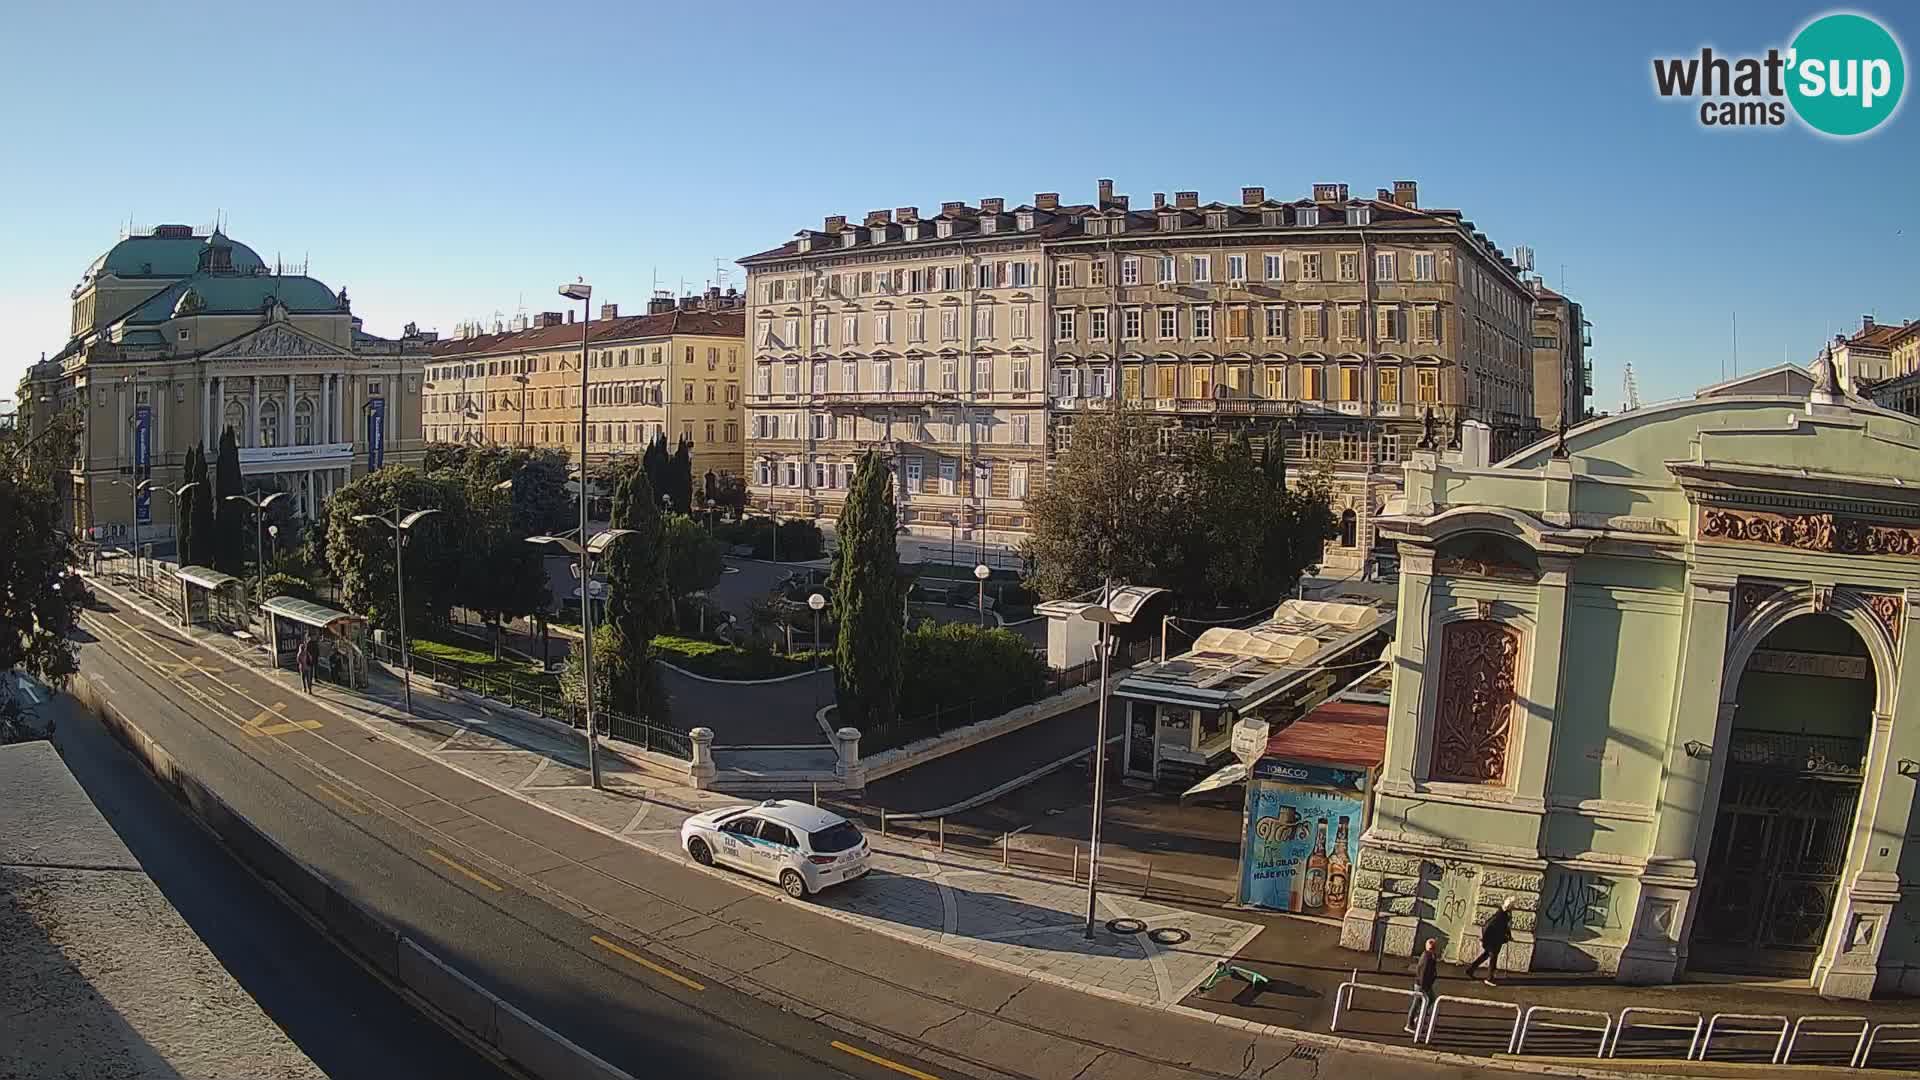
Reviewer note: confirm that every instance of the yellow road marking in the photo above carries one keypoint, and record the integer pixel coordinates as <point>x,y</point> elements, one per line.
<point>645,963</point>
<point>341,797</point>
<point>274,713</point>
<point>905,1070</point>
<point>463,869</point>
<point>289,726</point>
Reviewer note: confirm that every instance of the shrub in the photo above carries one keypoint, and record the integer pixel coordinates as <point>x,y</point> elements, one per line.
<point>950,664</point>
<point>800,539</point>
<point>284,584</point>
<point>717,660</point>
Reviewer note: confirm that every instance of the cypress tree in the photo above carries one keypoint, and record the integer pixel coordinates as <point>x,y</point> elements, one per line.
<point>204,532</point>
<point>637,599</point>
<point>230,518</point>
<point>866,597</point>
<point>183,526</point>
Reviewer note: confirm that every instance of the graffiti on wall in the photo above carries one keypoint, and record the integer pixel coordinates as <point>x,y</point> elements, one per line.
<point>1581,901</point>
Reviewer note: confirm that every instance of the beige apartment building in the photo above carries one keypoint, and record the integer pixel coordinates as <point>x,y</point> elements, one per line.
<point>675,371</point>
<point>1333,324</point>
<point>1562,374</point>
<point>922,337</point>
<point>178,334</point>
<point>1867,357</point>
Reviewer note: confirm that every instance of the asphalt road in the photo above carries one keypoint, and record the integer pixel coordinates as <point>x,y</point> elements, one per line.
<point>525,950</point>
<point>352,1025</point>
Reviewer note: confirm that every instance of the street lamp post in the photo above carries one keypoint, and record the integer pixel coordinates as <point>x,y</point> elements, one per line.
<point>818,603</point>
<point>1104,615</point>
<point>980,574</point>
<point>134,490</point>
<point>259,504</point>
<point>400,526</point>
<point>593,548</point>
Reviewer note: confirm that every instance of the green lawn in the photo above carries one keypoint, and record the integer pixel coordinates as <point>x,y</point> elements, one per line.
<point>524,674</point>
<point>719,661</point>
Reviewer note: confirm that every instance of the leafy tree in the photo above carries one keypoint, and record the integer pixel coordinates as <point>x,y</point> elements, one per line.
<point>637,595</point>
<point>678,477</point>
<point>606,661</point>
<point>1109,505</point>
<point>204,508</point>
<point>958,663</point>
<point>183,528</point>
<point>37,608</point>
<point>655,463</point>
<point>730,493</point>
<point>866,591</point>
<point>230,519</point>
<point>503,576</point>
<point>692,558</point>
<point>541,504</point>
<point>285,584</point>
<point>360,554</point>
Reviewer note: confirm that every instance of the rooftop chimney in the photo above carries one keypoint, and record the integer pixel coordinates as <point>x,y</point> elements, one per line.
<point>1866,323</point>
<point>907,215</point>
<point>1406,193</point>
<point>609,312</point>
<point>879,217</point>
<point>1159,200</point>
<point>569,316</point>
<point>952,209</point>
<point>549,318</point>
<point>1120,201</point>
<point>835,222</point>
<point>1252,196</point>
<point>688,303</point>
<point>660,303</point>
<point>1329,193</point>
<point>1106,194</point>
<point>1186,200</point>
<point>1047,200</point>
<point>993,206</point>
<point>1383,195</point>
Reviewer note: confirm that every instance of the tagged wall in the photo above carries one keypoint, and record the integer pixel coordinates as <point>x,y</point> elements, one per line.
<point>1583,919</point>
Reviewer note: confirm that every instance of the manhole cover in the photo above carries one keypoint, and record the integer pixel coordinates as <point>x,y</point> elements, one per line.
<point>1125,926</point>
<point>1169,935</point>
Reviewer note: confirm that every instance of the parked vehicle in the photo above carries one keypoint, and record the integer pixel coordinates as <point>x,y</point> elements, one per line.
<point>800,847</point>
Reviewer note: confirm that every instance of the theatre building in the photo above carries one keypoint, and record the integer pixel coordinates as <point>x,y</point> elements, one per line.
<point>1660,683</point>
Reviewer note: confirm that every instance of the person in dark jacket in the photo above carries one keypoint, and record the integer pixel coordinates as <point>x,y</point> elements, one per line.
<point>1426,972</point>
<point>1493,936</point>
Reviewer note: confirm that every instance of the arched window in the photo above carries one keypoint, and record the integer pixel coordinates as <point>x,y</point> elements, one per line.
<point>236,419</point>
<point>1349,529</point>
<point>269,423</point>
<point>303,422</point>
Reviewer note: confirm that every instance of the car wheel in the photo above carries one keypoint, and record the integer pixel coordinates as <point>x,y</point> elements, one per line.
<point>701,853</point>
<point>794,884</point>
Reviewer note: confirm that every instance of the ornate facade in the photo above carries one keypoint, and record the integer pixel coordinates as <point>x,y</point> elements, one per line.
<point>1659,690</point>
<point>179,335</point>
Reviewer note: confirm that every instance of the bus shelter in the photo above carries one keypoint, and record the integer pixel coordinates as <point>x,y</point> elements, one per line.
<point>212,599</point>
<point>341,638</point>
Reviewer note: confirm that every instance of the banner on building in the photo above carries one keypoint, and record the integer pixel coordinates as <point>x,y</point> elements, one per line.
<point>1303,831</point>
<point>376,434</point>
<point>142,462</point>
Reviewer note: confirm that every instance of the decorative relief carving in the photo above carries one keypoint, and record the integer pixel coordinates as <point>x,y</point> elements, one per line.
<point>1626,523</point>
<point>1518,882</point>
<point>1473,719</point>
<point>1375,859</point>
<point>277,340</point>
<point>1810,532</point>
<point>1887,608</point>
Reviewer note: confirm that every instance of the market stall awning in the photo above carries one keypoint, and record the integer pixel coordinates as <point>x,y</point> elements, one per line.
<point>308,613</point>
<point>206,577</point>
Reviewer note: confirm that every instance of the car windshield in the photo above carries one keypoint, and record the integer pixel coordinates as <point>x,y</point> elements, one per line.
<point>841,837</point>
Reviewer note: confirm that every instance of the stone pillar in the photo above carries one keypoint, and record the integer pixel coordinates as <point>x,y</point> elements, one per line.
<point>846,744</point>
<point>324,417</point>
<point>253,418</point>
<point>1689,790</point>
<point>702,769</point>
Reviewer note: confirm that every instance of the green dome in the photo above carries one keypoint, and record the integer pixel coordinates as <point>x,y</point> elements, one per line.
<point>170,255</point>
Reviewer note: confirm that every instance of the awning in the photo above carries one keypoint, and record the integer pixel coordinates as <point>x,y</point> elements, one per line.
<point>206,577</point>
<point>308,613</point>
<point>1232,774</point>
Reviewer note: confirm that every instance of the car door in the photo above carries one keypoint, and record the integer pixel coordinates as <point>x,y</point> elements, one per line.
<point>776,849</point>
<point>735,842</point>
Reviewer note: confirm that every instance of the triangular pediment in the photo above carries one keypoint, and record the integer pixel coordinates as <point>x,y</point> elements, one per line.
<point>274,341</point>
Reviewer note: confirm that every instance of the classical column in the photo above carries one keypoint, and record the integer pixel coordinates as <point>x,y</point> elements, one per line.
<point>206,405</point>
<point>1689,787</point>
<point>253,419</point>
<point>125,411</point>
<point>326,409</point>
<point>286,415</point>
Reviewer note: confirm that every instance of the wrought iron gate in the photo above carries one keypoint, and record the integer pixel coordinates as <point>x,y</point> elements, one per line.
<point>1779,847</point>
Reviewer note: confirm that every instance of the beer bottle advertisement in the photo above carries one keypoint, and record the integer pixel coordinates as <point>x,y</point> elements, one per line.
<point>1294,843</point>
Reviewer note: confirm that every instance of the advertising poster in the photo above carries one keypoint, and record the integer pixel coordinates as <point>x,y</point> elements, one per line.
<point>376,434</point>
<point>143,461</point>
<point>1303,831</point>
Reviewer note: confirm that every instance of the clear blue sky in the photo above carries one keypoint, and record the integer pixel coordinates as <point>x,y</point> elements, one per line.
<point>444,161</point>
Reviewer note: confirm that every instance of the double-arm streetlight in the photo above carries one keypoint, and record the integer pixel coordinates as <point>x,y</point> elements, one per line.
<point>1103,614</point>
<point>135,489</point>
<point>259,504</point>
<point>592,550</point>
<point>400,526</point>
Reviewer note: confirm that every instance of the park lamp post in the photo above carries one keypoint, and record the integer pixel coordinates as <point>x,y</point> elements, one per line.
<point>818,602</point>
<point>1103,614</point>
<point>400,526</point>
<point>592,550</point>
<point>133,518</point>
<point>981,574</point>
<point>259,504</point>
<point>179,496</point>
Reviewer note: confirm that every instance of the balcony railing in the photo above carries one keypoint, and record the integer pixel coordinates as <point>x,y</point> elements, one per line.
<point>863,398</point>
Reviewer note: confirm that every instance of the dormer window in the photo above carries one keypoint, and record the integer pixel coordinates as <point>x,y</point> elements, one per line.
<point>989,224</point>
<point>944,229</point>
<point>805,244</point>
<point>1360,215</point>
<point>1273,219</point>
<point>877,235</point>
<point>1096,226</point>
<point>1217,219</point>
<point>1024,222</point>
<point>1309,215</point>
<point>1169,222</point>
<point>849,238</point>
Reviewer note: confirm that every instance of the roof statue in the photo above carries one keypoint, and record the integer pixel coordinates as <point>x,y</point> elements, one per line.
<point>1459,425</point>
<point>189,303</point>
<point>345,305</point>
<point>1826,385</point>
<point>1427,439</point>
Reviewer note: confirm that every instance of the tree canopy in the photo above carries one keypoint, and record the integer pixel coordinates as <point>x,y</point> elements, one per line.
<point>36,550</point>
<point>1206,518</point>
<point>361,555</point>
<point>692,560</point>
<point>866,589</point>
<point>637,598</point>
<point>229,548</point>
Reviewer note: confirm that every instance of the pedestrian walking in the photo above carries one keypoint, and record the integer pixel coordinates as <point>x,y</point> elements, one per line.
<point>303,659</point>
<point>1493,936</point>
<point>1426,971</point>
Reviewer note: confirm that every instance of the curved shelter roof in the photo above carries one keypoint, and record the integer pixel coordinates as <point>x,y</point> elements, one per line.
<point>308,613</point>
<point>206,577</point>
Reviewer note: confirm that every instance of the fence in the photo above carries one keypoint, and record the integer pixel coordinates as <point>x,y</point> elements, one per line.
<point>541,702</point>
<point>1017,850</point>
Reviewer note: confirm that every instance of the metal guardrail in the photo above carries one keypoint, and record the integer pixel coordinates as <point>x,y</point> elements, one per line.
<point>1526,1024</point>
<point>1874,1039</point>
<point>1779,1043</point>
<point>1859,1037</point>
<point>1343,1001</point>
<point>1433,1016</point>
<point>1620,1027</point>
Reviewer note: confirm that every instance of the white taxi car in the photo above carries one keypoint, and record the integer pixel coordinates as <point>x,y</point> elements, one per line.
<point>801,847</point>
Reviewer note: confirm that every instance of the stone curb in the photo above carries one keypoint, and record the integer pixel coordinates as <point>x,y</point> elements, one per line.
<point>739,682</point>
<point>494,1022</point>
